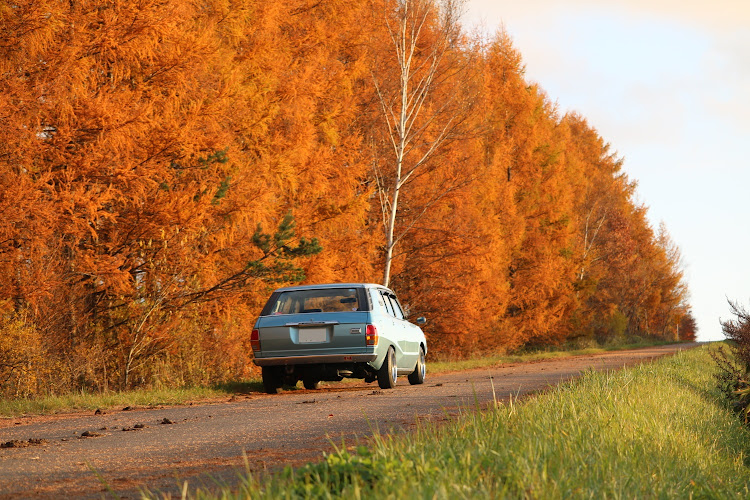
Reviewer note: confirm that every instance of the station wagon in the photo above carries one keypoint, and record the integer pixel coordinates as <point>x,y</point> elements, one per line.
<point>335,331</point>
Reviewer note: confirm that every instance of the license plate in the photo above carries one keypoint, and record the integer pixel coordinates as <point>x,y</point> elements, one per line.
<point>312,335</point>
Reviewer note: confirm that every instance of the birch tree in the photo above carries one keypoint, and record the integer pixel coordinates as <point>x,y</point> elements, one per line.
<point>423,103</point>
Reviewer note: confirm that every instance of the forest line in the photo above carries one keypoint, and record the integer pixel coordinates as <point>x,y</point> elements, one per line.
<point>165,164</point>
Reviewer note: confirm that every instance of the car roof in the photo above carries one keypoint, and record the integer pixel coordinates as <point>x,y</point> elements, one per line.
<point>330,285</point>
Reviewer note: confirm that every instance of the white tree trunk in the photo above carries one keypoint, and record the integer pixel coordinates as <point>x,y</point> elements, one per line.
<point>403,104</point>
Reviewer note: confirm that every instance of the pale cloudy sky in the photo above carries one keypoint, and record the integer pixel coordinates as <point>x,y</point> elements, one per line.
<point>667,84</point>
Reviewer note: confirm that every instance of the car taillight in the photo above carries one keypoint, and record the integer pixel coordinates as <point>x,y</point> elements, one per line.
<point>371,335</point>
<point>255,340</point>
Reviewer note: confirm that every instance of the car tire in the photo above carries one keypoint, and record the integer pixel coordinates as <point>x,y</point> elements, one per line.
<point>388,371</point>
<point>420,370</point>
<point>271,380</point>
<point>311,384</point>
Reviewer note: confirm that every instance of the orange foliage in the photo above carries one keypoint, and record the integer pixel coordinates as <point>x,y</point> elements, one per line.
<point>149,145</point>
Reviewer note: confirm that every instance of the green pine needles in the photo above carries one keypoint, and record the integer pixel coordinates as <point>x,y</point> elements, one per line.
<point>282,253</point>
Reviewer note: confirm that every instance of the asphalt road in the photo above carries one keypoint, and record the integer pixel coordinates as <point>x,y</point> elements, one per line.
<point>158,448</point>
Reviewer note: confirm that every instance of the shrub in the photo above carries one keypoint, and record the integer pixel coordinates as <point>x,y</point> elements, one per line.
<point>20,357</point>
<point>733,360</point>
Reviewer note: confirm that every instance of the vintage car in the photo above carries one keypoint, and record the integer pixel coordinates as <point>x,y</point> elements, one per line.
<point>328,332</point>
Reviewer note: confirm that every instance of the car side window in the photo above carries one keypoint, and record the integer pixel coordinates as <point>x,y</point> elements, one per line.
<point>377,300</point>
<point>399,313</point>
<point>386,301</point>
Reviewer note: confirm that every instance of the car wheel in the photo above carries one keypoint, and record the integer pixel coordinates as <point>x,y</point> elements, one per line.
<point>311,384</point>
<point>388,372</point>
<point>271,380</point>
<point>420,370</point>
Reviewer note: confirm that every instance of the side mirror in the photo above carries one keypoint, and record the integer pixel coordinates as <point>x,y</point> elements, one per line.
<point>421,320</point>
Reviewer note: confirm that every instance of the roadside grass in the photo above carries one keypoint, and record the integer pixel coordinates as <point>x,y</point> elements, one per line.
<point>83,401</point>
<point>658,430</point>
<point>442,366</point>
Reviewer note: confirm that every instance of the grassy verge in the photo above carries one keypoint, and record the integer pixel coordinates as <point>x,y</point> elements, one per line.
<point>527,357</point>
<point>83,401</point>
<point>655,431</point>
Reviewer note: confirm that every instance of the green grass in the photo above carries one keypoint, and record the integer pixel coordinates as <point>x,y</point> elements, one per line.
<point>83,401</point>
<point>530,356</point>
<point>658,430</point>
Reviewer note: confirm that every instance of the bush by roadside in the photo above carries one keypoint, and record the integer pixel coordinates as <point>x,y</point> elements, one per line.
<point>733,360</point>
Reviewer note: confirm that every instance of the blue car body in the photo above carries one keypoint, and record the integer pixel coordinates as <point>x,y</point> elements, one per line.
<point>331,331</point>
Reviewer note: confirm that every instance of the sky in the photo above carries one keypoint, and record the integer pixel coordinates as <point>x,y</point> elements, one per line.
<point>667,84</point>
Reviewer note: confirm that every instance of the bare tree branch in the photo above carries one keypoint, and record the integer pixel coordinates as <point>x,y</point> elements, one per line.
<point>412,104</point>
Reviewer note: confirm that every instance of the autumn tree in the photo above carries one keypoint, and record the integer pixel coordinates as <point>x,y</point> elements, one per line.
<point>629,279</point>
<point>127,157</point>
<point>165,164</point>
<point>523,147</point>
<point>423,102</point>
<point>688,327</point>
<point>602,194</point>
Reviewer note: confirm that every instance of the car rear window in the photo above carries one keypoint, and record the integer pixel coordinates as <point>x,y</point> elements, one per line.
<point>315,301</point>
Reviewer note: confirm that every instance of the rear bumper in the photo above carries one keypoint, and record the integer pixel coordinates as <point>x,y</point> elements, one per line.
<point>316,360</point>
